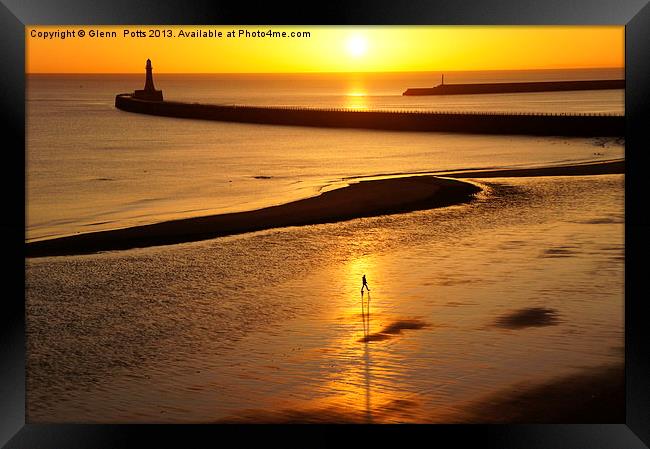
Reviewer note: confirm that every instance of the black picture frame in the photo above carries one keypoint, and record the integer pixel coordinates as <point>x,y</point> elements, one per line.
<point>16,14</point>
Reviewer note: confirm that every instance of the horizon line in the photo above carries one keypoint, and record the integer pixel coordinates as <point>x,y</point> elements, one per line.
<point>328,72</point>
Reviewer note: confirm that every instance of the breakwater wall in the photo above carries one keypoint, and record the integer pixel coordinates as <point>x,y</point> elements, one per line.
<point>499,88</point>
<point>460,122</point>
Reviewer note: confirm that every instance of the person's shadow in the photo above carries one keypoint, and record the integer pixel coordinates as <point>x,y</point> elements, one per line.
<point>365,315</point>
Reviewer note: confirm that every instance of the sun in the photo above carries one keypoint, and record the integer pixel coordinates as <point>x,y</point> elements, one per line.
<point>357,46</point>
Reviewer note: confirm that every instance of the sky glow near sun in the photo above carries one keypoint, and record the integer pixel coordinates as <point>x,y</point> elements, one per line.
<point>328,49</point>
<point>357,46</point>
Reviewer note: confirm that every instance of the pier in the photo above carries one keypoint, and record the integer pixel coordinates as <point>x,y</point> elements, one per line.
<point>405,120</point>
<point>500,88</point>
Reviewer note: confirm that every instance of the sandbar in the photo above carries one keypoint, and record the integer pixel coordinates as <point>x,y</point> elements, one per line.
<point>361,199</point>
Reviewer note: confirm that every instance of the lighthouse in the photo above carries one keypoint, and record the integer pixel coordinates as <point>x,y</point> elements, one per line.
<point>149,92</point>
<point>148,84</point>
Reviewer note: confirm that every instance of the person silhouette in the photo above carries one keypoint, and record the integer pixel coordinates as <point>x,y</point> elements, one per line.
<point>364,283</point>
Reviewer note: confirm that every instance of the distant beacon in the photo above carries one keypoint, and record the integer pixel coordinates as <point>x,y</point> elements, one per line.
<point>149,92</point>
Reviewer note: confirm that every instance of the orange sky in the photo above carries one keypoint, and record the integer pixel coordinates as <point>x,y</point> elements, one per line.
<point>327,49</point>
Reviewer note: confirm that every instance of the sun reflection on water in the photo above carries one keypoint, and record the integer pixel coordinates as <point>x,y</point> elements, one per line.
<point>365,389</point>
<point>356,100</point>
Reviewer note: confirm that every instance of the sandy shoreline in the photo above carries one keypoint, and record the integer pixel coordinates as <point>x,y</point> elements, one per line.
<point>591,168</point>
<point>363,199</point>
<point>595,395</point>
<point>608,167</point>
<point>366,198</point>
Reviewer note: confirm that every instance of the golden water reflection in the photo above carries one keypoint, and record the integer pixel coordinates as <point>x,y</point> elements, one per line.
<point>367,388</point>
<point>356,100</point>
<point>365,315</point>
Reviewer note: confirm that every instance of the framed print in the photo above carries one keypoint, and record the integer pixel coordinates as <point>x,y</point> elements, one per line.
<point>268,223</point>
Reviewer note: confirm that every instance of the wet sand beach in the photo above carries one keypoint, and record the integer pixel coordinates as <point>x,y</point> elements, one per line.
<point>505,308</point>
<point>589,396</point>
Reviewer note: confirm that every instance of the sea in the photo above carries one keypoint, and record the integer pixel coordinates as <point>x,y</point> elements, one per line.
<point>270,325</point>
